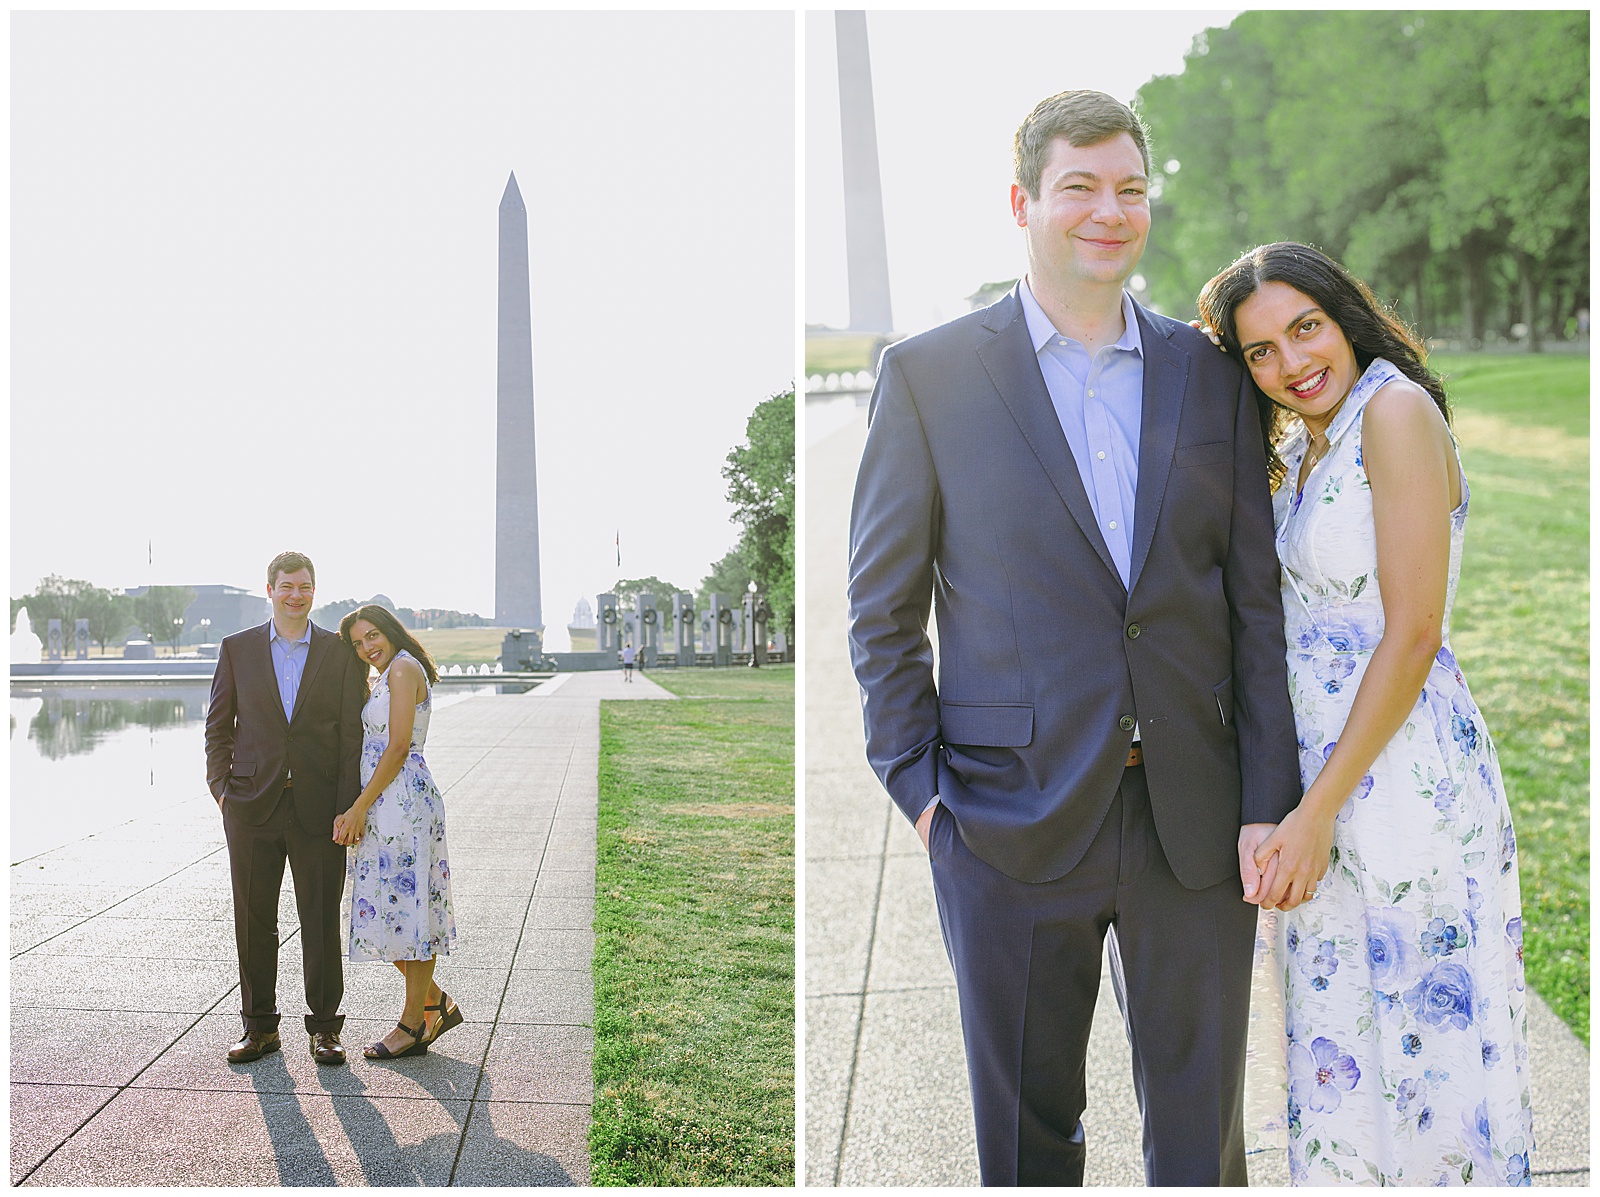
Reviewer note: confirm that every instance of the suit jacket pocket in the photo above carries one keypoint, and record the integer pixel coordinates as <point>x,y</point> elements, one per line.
<point>995,725</point>
<point>1224,696</point>
<point>243,768</point>
<point>1211,453</point>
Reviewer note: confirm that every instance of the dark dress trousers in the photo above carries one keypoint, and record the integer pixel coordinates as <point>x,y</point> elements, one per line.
<point>969,503</point>
<point>281,782</point>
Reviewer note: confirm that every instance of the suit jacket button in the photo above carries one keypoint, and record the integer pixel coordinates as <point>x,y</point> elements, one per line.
<point>1126,723</point>
<point>1133,631</point>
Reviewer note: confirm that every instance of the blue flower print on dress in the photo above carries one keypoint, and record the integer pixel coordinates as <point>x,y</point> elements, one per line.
<point>1333,672</point>
<point>1473,906</point>
<point>1478,1135</point>
<point>1444,998</point>
<point>1406,1094</point>
<point>1391,951</point>
<point>399,880</point>
<point>1402,842</point>
<point>1320,1073</point>
<point>1440,938</point>
<point>1491,1054</point>
<point>1514,938</point>
<point>1508,848</point>
<point>1444,797</point>
<point>1518,1173</point>
<point>1320,963</point>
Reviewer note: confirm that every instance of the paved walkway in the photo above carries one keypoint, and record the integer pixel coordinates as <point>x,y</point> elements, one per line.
<point>886,1083</point>
<point>124,990</point>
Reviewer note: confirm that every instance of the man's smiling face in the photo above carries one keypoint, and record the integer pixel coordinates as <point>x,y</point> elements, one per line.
<point>1089,223</point>
<point>291,596</point>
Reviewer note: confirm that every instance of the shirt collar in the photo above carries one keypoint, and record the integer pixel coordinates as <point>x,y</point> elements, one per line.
<point>1042,332</point>
<point>272,634</point>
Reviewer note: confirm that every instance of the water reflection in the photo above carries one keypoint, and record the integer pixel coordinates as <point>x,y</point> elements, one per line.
<point>64,725</point>
<point>85,758</point>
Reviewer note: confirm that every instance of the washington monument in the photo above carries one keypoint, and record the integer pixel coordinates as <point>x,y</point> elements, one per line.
<point>866,250</point>
<point>516,515</point>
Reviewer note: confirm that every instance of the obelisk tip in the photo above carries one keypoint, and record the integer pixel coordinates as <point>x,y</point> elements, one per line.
<point>512,193</point>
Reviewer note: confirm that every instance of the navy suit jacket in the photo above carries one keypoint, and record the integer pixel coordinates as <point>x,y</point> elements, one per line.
<point>251,746</point>
<point>968,500</point>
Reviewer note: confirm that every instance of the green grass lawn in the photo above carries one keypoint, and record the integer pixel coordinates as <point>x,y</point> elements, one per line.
<point>834,352</point>
<point>462,646</point>
<point>1521,630</point>
<point>694,934</point>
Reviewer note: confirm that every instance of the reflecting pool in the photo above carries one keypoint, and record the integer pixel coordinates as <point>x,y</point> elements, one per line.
<point>85,758</point>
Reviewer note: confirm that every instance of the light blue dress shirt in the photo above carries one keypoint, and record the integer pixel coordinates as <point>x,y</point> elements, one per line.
<point>1099,401</point>
<point>288,664</point>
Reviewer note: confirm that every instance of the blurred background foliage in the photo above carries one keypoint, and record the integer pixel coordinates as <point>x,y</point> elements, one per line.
<point>1442,156</point>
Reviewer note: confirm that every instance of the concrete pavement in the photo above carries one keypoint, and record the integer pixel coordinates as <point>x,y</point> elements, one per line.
<point>886,1084</point>
<point>124,990</point>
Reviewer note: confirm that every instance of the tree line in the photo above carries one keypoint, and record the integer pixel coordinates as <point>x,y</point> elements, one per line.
<point>1443,156</point>
<point>760,477</point>
<point>111,614</point>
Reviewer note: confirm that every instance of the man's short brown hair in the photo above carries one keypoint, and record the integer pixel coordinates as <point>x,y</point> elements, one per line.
<point>288,563</point>
<point>1082,118</point>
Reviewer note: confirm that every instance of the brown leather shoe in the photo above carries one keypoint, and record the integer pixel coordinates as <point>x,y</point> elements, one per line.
<point>325,1047</point>
<point>253,1046</point>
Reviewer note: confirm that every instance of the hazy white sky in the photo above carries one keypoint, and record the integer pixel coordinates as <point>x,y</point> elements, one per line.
<point>253,300</point>
<point>950,89</point>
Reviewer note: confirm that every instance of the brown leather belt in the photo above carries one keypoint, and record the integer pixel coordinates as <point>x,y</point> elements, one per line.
<point>1135,755</point>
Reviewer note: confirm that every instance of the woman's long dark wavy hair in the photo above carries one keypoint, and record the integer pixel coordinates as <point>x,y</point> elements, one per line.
<point>384,620</point>
<point>1371,328</point>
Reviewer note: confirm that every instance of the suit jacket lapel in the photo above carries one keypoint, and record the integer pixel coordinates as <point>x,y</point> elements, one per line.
<point>315,655</point>
<point>271,669</point>
<point>1165,372</point>
<point>1013,367</point>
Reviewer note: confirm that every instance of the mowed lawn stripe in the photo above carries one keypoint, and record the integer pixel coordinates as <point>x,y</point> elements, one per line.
<point>694,934</point>
<point>1521,631</point>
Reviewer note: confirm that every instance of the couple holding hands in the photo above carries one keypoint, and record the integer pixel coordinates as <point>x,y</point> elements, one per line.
<point>1193,662</point>
<point>314,760</point>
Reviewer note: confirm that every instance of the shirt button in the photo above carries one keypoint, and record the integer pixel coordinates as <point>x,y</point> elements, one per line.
<point>1126,723</point>
<point>1101,455</point>
<point>1062,342</point>
<point>1091,394</point>
<point>1113,525</point>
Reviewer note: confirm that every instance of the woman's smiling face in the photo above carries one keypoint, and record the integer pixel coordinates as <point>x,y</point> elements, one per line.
<point>1298,356</point>
<point>372,645</point>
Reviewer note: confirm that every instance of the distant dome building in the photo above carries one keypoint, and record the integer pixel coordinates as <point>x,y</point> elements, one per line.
<point>581,631</point>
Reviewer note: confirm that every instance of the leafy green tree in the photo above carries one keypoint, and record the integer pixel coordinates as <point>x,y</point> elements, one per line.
<point>158,609</point>
<point>627,588</point>
<point>329,614</point>
<point>760,476</point>
<point>729,577</point>
<point>1442,156</point>
<point>55,598</point>
<point>108,614</point>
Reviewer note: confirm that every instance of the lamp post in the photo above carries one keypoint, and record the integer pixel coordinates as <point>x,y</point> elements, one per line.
<point>177,633</point>
<point>750,624</point>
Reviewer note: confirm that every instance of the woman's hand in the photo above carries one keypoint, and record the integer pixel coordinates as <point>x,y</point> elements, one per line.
<point>1207,329</point>
<point>347,828</point>
<point>1303,842</point>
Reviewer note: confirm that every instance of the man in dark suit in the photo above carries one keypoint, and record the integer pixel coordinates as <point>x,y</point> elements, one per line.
<point>283,758</point>
<point>1077,486</point>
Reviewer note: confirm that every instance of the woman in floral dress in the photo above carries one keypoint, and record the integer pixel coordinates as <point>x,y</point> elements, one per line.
<point>1400,932</point>
<point>399,873</point>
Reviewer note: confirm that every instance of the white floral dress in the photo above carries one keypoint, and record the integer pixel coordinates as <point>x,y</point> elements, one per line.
<point>1403,1014</point>
<point>400,871</point>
